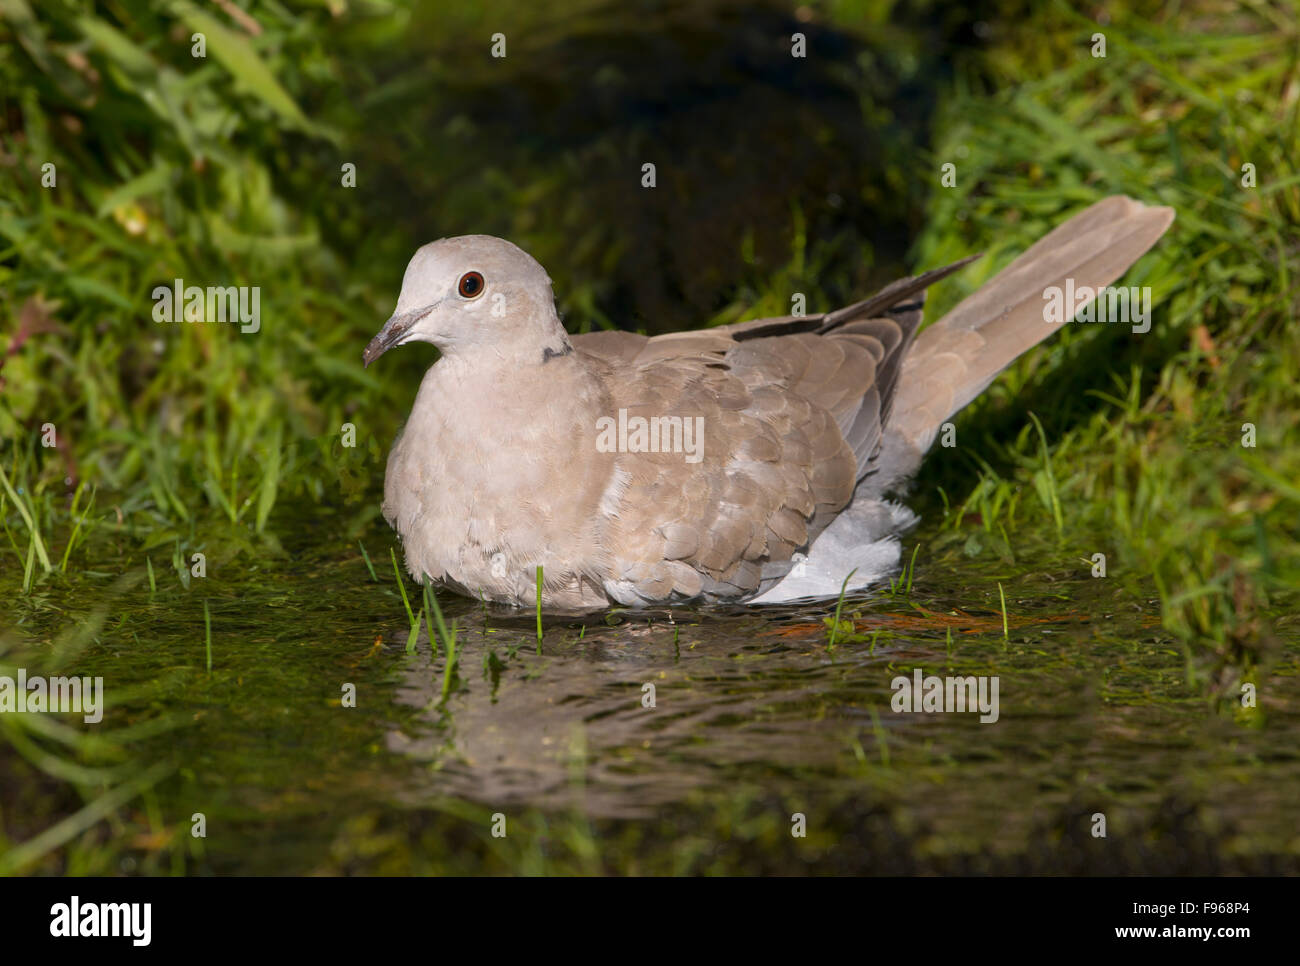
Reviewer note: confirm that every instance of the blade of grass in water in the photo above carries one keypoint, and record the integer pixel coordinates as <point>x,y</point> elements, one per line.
<point>431,604</point>
<point>449,669</point>
<point>428,617</point>
<point>839,605</point>
<point>402,587</point>
<point>911,568</point>
<point>414,635</point>
<point>369,566</point>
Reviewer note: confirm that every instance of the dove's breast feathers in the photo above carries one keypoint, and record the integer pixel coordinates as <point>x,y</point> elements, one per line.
<point>755,459</point>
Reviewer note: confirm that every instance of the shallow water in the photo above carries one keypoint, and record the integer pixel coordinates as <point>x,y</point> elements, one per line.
<point>755,719</point>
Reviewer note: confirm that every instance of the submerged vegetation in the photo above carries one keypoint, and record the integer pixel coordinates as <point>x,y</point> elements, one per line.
<point>182,515</point>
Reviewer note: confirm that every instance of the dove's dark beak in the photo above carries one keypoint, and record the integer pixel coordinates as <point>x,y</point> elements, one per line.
<point>393,331</point>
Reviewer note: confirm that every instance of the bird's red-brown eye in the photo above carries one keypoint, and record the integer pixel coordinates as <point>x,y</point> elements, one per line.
<point>470,285</point>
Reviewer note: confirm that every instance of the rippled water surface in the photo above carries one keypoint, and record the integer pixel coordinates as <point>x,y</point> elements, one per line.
<point>755,720</point>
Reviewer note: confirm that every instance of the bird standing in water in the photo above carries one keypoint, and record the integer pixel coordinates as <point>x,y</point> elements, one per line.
<point>745,462</point>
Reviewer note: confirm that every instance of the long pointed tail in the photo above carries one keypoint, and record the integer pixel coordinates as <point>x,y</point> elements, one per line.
<point>952,361</point>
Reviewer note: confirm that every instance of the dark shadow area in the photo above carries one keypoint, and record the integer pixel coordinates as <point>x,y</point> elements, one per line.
<point>546,146</point>
<point>1062,397</point>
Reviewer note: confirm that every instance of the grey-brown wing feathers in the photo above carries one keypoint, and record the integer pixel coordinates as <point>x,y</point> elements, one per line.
<point>795,410</point>
<point>802,412</point>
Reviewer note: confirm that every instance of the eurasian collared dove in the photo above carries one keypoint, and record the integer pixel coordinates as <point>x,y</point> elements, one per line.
<point>744,462</point>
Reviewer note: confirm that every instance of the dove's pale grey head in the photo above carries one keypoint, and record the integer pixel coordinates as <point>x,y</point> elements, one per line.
<point>474,292</point>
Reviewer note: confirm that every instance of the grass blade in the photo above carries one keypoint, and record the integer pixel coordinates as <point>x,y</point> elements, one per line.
<point>369,566</point>
<point>402,587</point>
<point>449,669</point>
<point>27,519</point>
<point>72,826</point>
<point>840,604</point>
<point>412,637</point>
<point>911,569</point>
<point>1051,480</point>
<point>431,598</point>
<point>539,608</point>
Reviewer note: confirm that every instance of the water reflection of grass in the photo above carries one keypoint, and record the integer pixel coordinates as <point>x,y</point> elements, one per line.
<point>184,439</point>
<point>90,772</point>
<point>1092,706</point>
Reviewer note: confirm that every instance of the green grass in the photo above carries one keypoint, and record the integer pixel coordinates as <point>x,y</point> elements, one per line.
<point>1139,449</point>
<point>539,608</point>
<point>839,606</point>
<point>369,566</point>
<point>401,585</point>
